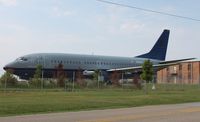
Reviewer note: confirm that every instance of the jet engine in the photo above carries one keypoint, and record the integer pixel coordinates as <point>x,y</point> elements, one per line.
<point>88,73</point>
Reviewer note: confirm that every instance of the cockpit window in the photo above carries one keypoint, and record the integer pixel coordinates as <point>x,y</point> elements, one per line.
<point>22,59</point>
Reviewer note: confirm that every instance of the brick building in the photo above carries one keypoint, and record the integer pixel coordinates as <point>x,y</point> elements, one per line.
<point>183,73</point>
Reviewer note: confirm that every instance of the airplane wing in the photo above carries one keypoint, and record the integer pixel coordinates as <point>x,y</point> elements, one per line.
<point>159,66</point>
<point>139,68</point>
<point>173,61</point>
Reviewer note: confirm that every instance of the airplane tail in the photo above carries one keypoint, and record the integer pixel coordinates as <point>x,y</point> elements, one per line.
<point>159,50</point>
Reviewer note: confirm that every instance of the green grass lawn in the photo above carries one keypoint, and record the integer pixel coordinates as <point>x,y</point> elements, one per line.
<point>31,102</point>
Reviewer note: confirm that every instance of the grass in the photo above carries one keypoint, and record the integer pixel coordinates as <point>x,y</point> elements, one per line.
<point>14,102</point>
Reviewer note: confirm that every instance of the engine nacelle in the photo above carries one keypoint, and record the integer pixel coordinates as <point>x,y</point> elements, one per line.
<point>88,73</point>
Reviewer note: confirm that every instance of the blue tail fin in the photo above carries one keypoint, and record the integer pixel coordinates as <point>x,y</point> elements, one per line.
<point>159,49</point>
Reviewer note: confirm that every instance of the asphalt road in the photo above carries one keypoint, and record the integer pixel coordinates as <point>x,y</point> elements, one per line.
<point>189,112</point>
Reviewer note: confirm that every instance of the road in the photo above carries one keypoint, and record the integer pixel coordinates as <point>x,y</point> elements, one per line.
<point>189,112</point>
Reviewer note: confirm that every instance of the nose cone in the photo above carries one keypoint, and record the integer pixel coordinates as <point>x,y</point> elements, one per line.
<point>5,67</point>
<point>8,66</point>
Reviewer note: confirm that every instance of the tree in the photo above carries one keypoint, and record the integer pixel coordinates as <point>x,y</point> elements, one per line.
<point>80,78</point>
<point>38,71</point>
<point>61,75</point>
<point>8,78</point>
<point>147,72</point>
<point>96,77</point>
<point>115,76</point>
<point>136,82</point>
<point>37,76</point>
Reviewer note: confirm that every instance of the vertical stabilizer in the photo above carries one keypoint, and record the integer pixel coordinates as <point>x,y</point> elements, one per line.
<point>159,49</point>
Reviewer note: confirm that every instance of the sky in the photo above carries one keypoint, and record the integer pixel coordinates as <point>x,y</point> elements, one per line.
<point>93,27</point>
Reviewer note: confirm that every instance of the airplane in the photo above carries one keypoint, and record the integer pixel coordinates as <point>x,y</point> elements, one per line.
<point>25,66</point>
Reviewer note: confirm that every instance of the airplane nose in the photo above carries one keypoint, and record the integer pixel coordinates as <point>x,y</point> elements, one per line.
<point>5,68</point>
<point>8,66</point>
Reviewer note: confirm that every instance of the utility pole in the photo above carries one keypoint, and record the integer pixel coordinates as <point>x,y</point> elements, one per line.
<point>42,79</point>
<point>42,82</point>
<point>154,81</point>
<point>122,80</point>
<point>5,84</point>
<point>73,80</point>
<point>98,77</point>
<point>199,73</point>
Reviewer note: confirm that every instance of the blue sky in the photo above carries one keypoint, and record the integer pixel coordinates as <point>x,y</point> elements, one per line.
<point>92,27</point>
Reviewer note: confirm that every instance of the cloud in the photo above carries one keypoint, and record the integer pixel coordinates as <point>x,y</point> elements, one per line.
<point>117,22</point>
<point>168,9</point>
<point>60,12</point>
<point>8,2</point>
<point>131,26</point>
<point>13,27</point>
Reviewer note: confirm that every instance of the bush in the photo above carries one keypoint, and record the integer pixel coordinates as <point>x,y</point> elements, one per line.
<point>36,82</point>
<point>9,79</point>
<point>22,84</point>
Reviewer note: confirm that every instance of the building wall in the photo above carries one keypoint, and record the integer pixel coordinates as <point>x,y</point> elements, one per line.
<point>183,73</point>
